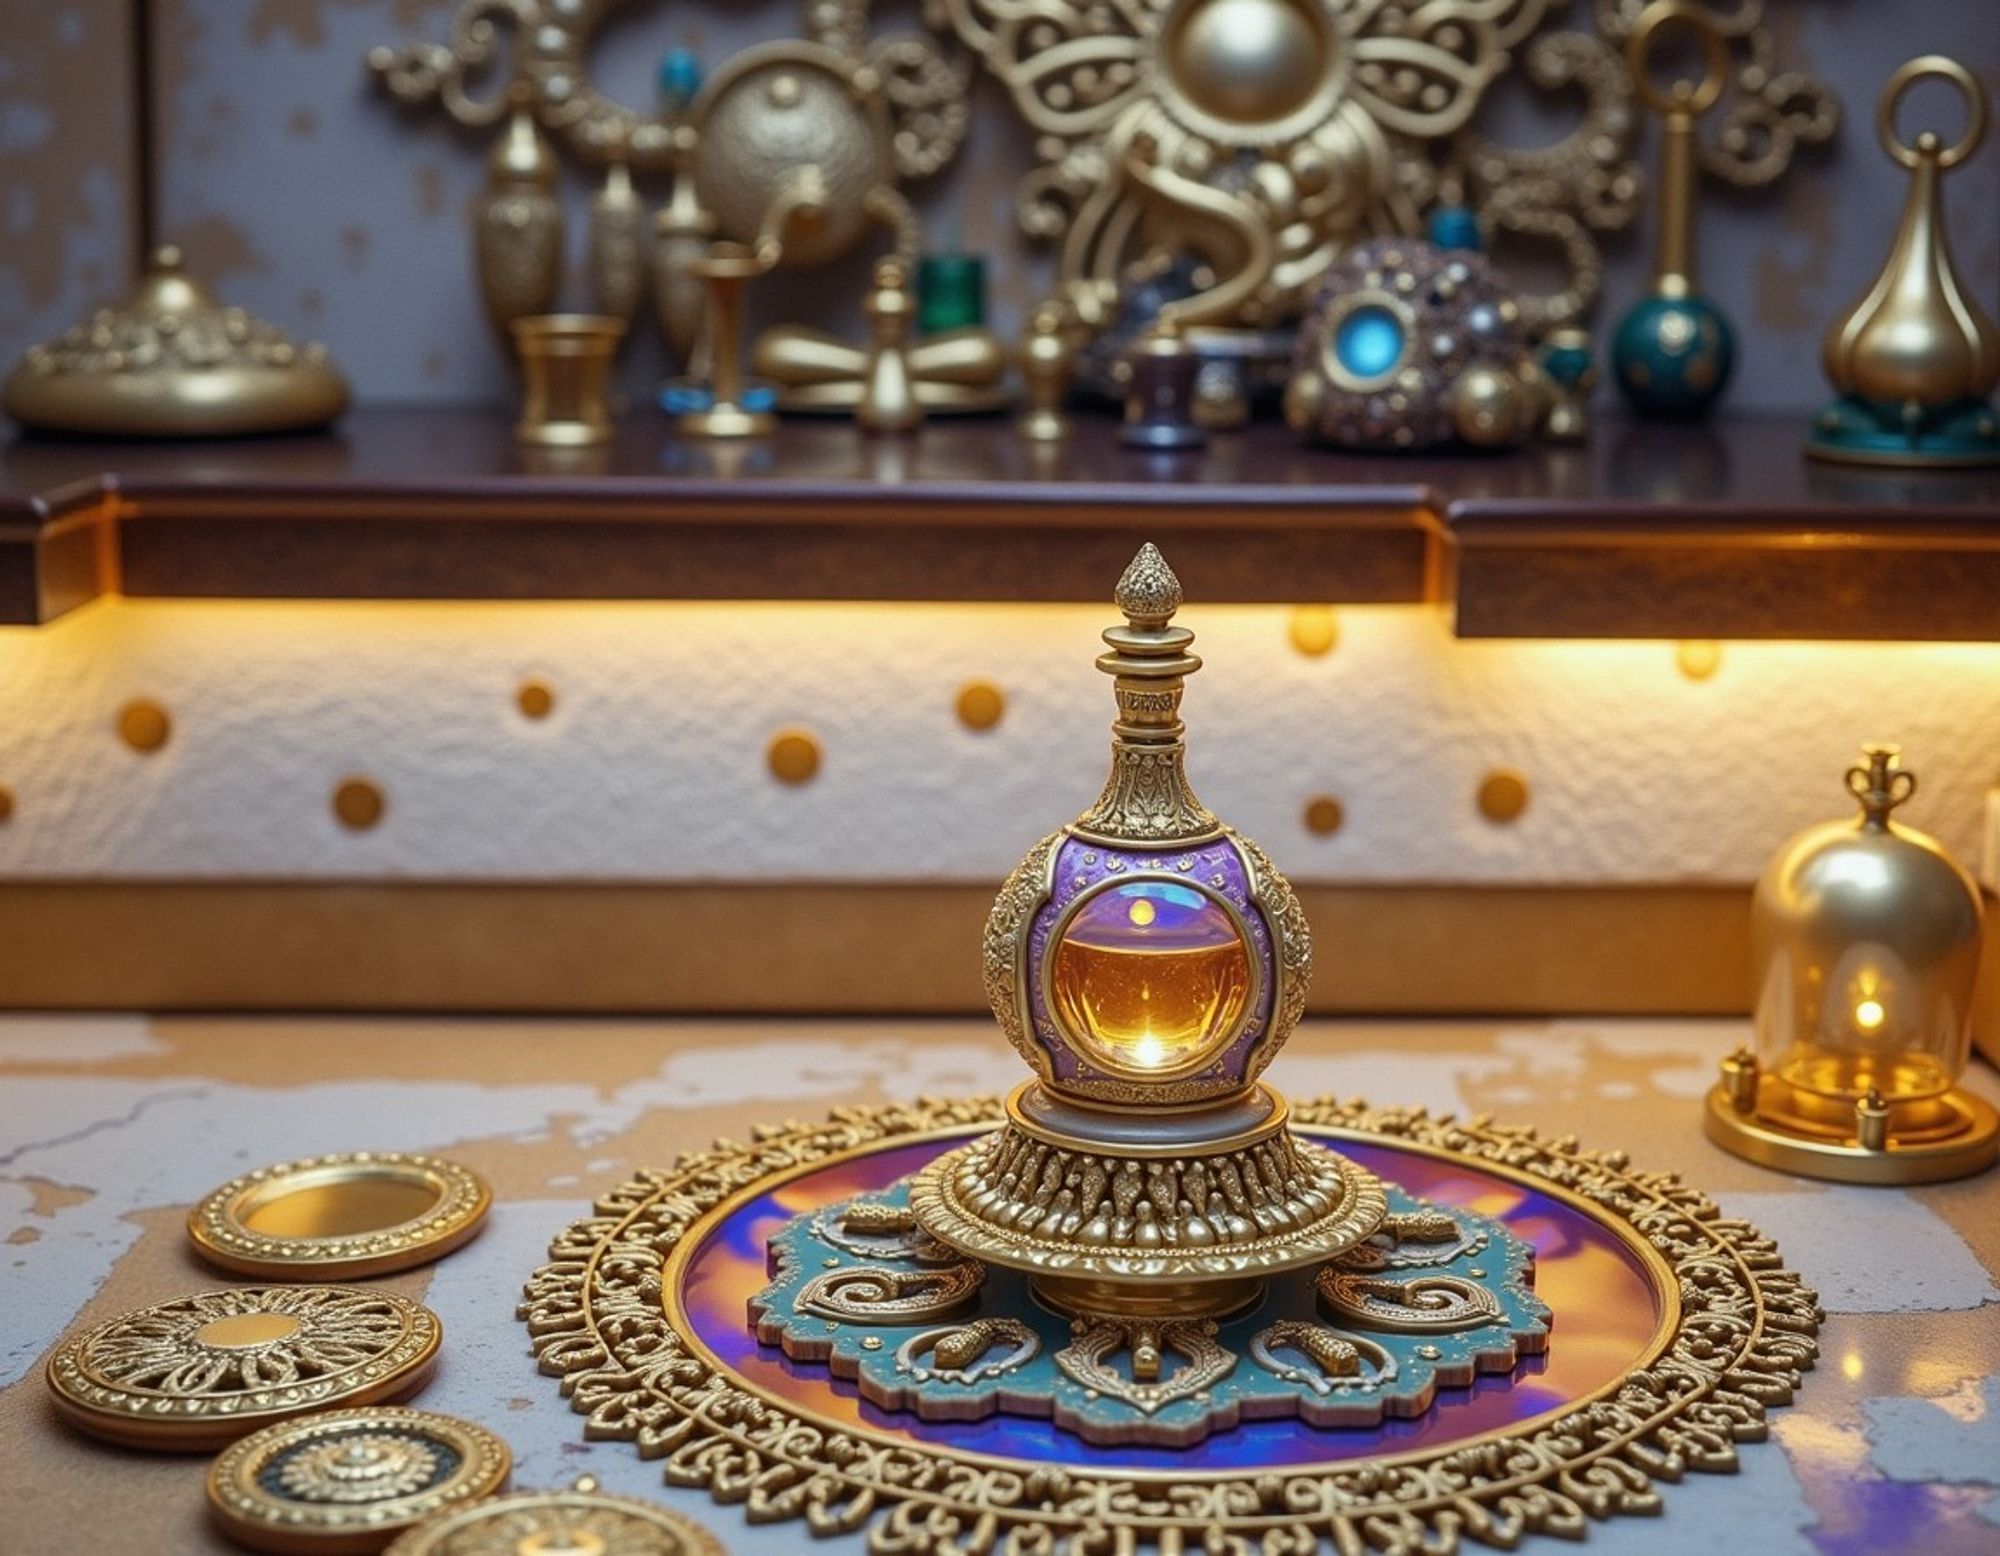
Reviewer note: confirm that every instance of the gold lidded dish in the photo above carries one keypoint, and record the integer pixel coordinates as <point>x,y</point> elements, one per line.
<point>559,1523</point>
<point>196,1373</point>
<point>340,1217</point>
<point>347,1482</point>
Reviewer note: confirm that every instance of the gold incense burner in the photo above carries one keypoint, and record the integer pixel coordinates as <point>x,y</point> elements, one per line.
<point>1866,944</point>
<point>1148,962</point>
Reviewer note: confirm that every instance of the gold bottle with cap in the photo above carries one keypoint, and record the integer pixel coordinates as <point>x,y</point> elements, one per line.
<point>1865,942</point>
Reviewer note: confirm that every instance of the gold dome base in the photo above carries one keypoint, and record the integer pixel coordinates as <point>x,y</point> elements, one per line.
<point>1175,1216</point>
<point>172,362</point>
<point>1969,1143</point>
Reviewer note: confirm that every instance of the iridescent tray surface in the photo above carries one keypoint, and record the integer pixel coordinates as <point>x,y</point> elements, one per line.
<point>1611,1316</point>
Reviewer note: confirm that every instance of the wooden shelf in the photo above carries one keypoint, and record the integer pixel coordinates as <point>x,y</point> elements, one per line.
<point>1650,531</point>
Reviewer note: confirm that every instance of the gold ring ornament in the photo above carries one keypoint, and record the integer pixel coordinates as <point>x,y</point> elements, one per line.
<point>582,1521</point>
<point>195,1374</point>
<point>340,1217</point>
<point>1916,357</point>
<point>347,1482</point>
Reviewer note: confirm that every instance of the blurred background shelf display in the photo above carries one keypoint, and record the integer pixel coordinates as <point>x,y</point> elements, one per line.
<point>1717,531</point>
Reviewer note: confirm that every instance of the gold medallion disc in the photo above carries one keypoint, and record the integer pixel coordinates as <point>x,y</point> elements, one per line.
<point>197,1373</point>
<point>347,1482</point>
<point>339,1217</point>
<point>582,1521</point>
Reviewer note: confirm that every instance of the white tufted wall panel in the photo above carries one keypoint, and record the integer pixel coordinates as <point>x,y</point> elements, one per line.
<point>651,766</point>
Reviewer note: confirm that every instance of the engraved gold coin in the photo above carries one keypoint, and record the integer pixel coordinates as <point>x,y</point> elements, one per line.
<point>582,1521</point>
<point>199,1372</point>
<point>338,1217</point>
<point>347,1482</point>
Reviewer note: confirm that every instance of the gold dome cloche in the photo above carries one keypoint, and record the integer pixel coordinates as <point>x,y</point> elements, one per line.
<point>1865,939</point>
<point>1148,962</point>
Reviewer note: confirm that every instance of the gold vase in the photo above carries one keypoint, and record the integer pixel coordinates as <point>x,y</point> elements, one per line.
<point>1865,941</point>
<point>520,225</point>
<point>566,373</point>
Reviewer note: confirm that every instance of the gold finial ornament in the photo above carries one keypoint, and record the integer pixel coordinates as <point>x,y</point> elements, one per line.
<point>200,1372</point>
<point>1865,943</point>
<point>171,361</point>
<point>1915,358</point>
<point>1148,962</point>
<point>340,1217</point>
<point>582,1521</point>
<point>347,1482</point>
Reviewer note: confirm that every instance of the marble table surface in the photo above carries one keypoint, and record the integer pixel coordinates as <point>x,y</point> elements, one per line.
<point>111,1126</point>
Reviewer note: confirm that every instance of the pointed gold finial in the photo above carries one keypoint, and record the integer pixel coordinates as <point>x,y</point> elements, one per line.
<point>1148,592</point>
<point>1147,797</point>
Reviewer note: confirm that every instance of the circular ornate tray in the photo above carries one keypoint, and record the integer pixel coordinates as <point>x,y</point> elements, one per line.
<point>347,1482</point>
<point>340,1217</point>
<point>1673,1331</point>
<point>199,1372</point>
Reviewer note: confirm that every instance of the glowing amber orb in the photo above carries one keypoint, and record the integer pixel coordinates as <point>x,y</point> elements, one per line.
<point>1151,977</point>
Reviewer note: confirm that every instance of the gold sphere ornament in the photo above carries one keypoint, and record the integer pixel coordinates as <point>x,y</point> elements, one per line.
<point>1865,941</point>
<point>1148,962</point>
<point>1915,358</point>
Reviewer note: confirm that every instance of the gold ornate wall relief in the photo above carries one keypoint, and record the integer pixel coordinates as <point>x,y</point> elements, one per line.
<point>1267,136</point>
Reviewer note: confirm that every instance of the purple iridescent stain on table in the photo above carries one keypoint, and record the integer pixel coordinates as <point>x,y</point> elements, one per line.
<point>1604,1300</point>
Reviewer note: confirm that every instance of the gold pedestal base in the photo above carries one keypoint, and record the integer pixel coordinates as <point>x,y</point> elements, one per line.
<point>1971,1143</point>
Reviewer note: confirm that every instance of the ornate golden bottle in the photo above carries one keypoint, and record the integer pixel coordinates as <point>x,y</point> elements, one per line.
<point>1916,356</point>
<point>520,225</point>
<point>1148,962</point>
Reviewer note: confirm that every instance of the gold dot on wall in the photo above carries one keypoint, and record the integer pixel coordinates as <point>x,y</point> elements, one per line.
<point>1698,658</point>
<point>1315,630</point>
<point>359,803</point>
<point>144,725</point>
<point>536,699</point>
<point>793,756</point>
<point>980,704</point>
<point>1503,795</point>
<point>1324,815</point>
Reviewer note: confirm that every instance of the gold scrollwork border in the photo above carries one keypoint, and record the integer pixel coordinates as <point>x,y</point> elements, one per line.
<point>1736,1333</point>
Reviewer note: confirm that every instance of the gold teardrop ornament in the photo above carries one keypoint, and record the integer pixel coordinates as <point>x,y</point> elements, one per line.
<point>340,1217</point>
<point>347,1482</point>
<point>1915,357</point>
<point>582,1521</point>
<point>199,1372</point>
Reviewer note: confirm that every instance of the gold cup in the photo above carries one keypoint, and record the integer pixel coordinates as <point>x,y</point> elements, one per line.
<point>566,368</point>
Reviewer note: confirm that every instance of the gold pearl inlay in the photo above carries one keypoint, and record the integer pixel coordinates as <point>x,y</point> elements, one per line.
<point>1315,630</point>
<point>981,704</point>
<point>793,756</point>
<point>1698,658</point>
<point>1324,815</point>
<point>536,699</point>
<point>359,803</point>
<point>144,725</point>
<point>1503,795</point>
